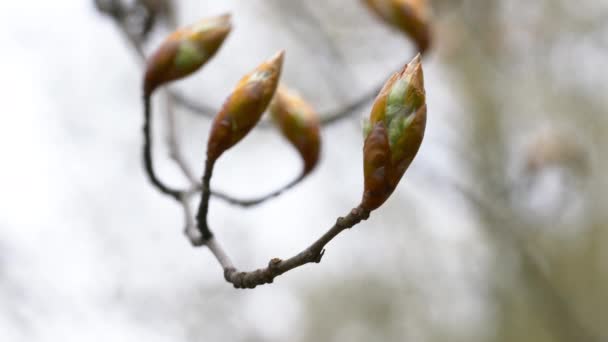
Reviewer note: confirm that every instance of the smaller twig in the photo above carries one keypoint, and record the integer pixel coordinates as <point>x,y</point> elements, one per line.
<point>120,18</point>
<point>174,145</point>
<point>343,112</point>
<point>330,117</point>
<point>259,200</point>
<point>192,105</point>
<point>176,155</point>
<point>147,151</point>
<point>203,208</point>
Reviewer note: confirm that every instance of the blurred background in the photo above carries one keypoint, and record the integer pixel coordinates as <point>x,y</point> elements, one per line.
<point>495,233</point>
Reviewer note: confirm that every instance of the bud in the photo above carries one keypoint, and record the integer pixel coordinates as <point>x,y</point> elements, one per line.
<point>393,133</point>
<point>299,123</point>
<point>185,51</point>
<point>409,16</point>
<point>245,106</point>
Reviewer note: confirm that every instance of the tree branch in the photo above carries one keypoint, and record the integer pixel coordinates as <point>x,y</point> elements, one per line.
<point>200,234</point>
<point>276,266</point>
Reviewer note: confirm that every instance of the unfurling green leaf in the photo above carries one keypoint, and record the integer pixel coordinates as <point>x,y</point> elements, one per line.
<point>394,132</point>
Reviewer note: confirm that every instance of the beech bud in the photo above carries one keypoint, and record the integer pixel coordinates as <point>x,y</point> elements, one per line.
<point>409,16</point>
<point>185,51</point>
<point>393,133</point>
<point>299,123</point>
<point>245,106</point>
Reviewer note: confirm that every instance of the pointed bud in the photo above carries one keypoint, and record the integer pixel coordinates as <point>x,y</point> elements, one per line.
<point>299,123</point>
<point>245,106</point>
<point>394,133</point>
<point>185,51</point>
<point>409,16</point>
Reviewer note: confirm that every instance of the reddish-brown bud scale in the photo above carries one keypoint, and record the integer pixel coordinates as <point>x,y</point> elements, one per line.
<point>409,16</point>
<point>376,165</point>
<point>185,51</point>
<point>300,124</point>
<point>244,107</point>
<point>394,133</point>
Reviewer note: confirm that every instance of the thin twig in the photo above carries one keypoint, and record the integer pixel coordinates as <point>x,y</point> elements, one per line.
<point>276,266</point>
<point>222,258</point>
<point>255,201</point>
<point>174,145</point>
<point>341,113</point>
<point>192,105</point>
<point>147,151</point>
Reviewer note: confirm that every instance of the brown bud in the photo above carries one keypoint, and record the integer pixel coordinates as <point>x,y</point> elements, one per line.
<point>394,133</point>
<point>245,106</point>
<point>409,16</point>
<point>376,164</point>
<point>299,123</point>
<point>185,51</point>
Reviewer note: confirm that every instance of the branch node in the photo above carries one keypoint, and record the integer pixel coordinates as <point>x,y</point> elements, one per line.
<point>274,263</point>
<point>228,272</point>
<point>360,213</point>
<point>317,258</point>
<point>341,221</point>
